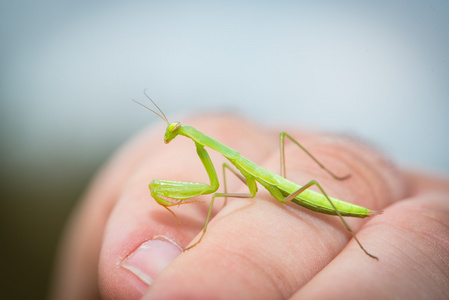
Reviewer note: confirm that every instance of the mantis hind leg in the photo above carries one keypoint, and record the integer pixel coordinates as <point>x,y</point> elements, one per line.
<point>314,182</point>
<point>282,141</point>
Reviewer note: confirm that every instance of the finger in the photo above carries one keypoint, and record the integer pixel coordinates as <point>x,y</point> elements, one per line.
<point>141,237</point>
<point>76,273</point>
<point>411,240</point>
<point>420,182</point>
<point>263,249</point>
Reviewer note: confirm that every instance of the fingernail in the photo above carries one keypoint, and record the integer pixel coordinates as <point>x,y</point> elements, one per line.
<point>153,256</point>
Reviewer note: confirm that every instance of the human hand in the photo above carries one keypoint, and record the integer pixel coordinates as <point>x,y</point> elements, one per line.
<point>255,248</point>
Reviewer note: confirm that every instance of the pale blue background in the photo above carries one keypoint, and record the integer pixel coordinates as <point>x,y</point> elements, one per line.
<point>68,71</point>
<point>379,70</point>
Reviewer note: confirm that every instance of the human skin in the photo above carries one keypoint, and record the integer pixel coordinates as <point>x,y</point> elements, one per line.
<point>256,248</point>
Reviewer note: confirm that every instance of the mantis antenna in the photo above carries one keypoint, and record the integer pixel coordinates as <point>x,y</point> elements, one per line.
<point>160,115</point>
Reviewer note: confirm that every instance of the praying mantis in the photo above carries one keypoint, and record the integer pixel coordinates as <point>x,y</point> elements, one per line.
<point>170,193</point>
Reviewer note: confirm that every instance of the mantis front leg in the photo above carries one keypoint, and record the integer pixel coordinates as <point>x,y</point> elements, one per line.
<point>169,193</point>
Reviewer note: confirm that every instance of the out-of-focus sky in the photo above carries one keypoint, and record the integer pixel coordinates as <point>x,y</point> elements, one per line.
<point>377,69</point>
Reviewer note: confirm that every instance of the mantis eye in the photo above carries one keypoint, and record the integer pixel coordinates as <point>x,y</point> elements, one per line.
<point>174,126</point>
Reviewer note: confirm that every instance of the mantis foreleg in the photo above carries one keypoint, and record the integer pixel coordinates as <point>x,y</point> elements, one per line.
<point>169,193</point>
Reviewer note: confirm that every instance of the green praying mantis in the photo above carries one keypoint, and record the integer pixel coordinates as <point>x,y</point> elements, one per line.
<point>169,193</point>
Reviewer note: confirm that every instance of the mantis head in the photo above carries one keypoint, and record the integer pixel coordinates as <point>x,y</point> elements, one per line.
<point>172,131</point>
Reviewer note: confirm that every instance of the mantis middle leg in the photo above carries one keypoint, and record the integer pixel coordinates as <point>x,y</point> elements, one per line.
<point>249,181</point>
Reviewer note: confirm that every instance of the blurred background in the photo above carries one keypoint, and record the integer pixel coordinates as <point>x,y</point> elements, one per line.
<point>69,69</point>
